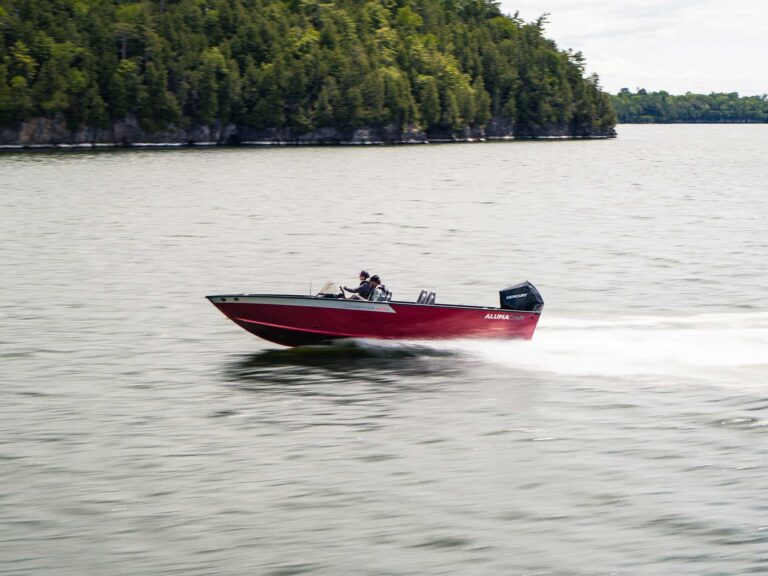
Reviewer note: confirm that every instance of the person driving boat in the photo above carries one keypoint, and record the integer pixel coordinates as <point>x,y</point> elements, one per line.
<point>363,291</point>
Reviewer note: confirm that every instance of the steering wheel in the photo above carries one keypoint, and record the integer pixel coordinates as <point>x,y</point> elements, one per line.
<point>343,295</point>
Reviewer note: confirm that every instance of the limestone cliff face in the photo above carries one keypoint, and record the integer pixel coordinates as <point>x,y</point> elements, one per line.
<point>46,132</point>
<point>52,132</point>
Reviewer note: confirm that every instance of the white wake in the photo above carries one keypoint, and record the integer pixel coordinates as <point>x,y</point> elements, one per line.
<point>706,344</point>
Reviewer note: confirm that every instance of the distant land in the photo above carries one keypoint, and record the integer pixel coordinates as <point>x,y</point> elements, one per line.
<point>129,72</point>
<point>642,107</point>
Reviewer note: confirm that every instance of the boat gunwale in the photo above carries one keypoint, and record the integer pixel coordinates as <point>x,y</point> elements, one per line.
<point>399,302</point>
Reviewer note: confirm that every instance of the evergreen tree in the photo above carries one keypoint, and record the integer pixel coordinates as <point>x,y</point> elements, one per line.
<point>301,64</point>
<point>643,107</point>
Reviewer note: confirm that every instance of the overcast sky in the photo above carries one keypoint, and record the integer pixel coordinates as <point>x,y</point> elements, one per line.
<point>679,46</point>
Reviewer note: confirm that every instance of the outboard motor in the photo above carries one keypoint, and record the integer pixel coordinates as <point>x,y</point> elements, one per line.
<point>523,297</point>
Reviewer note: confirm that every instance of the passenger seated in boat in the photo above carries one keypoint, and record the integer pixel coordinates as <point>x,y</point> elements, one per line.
<point>362,292</point>
<point>378,292</point>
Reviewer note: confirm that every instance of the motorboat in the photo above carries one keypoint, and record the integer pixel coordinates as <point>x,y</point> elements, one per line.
<point>300,320</point>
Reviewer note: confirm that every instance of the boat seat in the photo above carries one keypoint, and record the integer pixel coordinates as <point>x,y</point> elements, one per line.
<point>426,297</point>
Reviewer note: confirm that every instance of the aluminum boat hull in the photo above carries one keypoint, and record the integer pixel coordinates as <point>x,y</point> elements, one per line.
<point>306,320</point>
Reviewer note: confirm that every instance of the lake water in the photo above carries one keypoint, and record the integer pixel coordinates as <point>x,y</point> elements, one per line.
<point>141,432</point>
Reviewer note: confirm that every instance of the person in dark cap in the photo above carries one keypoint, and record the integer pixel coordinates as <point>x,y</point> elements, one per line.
<point>364,290</point>
<point>378,292</point>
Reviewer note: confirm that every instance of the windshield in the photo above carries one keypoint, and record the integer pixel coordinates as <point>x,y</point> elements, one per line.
<point>329,288</point>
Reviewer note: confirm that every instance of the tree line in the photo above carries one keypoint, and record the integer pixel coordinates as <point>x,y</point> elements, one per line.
<point>299,64</point>
<point>661,107</point>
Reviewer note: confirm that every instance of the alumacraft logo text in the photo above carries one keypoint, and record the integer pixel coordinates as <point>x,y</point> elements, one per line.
<point>497,316</point>
<point>502,317</point>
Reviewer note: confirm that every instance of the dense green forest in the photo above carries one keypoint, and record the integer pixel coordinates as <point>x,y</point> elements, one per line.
<point>643,106</point>
<point>296,64</point>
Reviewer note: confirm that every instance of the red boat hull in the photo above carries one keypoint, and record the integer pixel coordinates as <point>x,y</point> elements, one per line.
<point>305,320</point>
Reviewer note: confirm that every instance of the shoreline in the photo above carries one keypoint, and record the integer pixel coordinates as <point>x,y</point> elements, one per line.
<point>282,143</point>
<point>48,133</point>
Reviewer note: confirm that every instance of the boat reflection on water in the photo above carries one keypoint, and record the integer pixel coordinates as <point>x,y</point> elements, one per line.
<point>345,361</point>
<point>334,395</point>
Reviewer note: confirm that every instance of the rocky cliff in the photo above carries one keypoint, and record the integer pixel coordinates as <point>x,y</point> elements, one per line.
<point>49,133</point>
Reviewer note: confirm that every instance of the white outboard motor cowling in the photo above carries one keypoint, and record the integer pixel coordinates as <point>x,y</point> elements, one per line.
<point>524,297</point>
